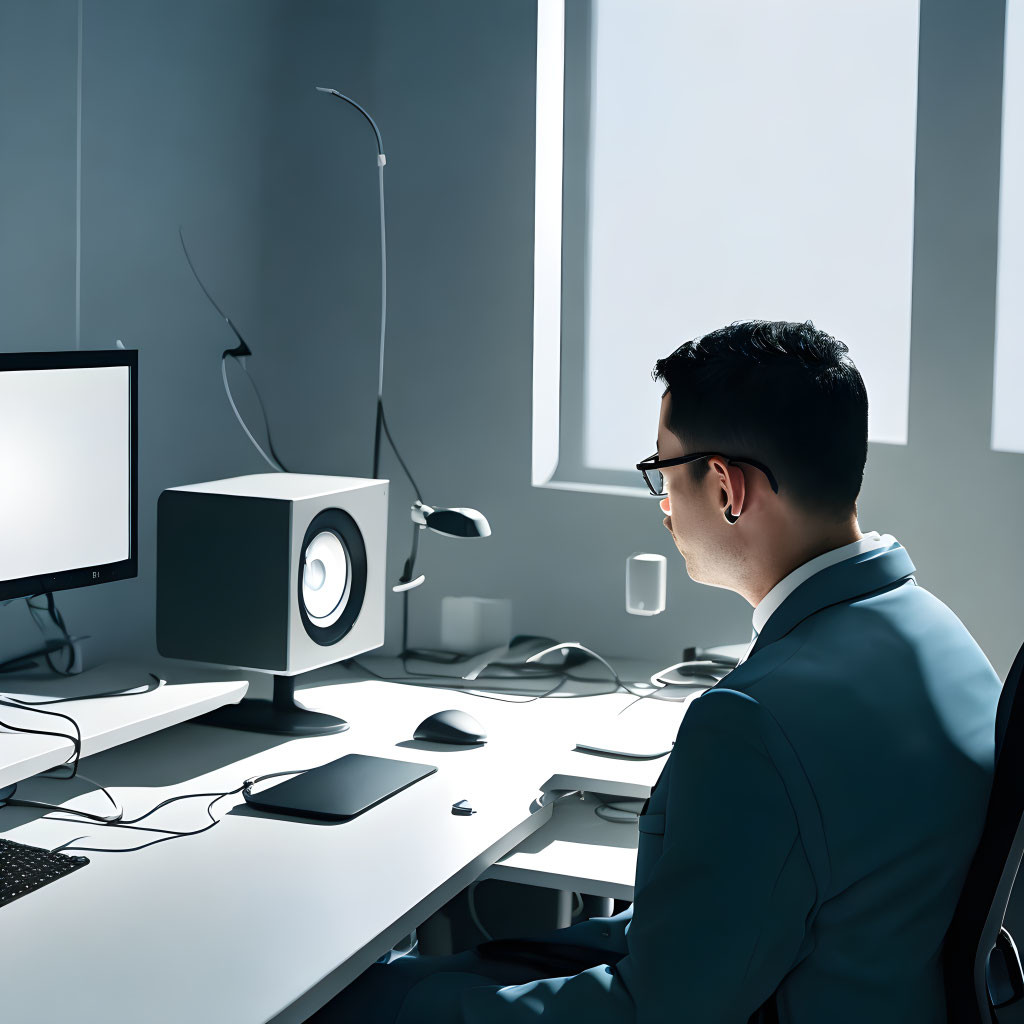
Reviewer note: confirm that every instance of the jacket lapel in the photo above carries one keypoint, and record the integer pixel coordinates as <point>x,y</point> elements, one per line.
<point>844,581</point>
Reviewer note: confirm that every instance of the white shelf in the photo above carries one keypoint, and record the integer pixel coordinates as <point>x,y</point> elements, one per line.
<point>104,723</point>
<point>577,851</point>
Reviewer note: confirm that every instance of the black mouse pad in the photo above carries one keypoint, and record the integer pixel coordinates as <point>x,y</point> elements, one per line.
<point>339,790</point>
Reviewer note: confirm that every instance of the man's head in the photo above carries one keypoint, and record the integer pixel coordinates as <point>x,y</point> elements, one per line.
<point>788,396</point>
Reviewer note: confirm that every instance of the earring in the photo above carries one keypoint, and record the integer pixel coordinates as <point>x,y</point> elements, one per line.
<point>730,518</point>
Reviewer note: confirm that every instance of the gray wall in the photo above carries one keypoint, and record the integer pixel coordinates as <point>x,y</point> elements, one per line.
<point>179,126</point>
<point>203,114</point>
<point>454,95</point>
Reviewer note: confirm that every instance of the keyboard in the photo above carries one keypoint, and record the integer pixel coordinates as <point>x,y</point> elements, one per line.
<point>26,868</point>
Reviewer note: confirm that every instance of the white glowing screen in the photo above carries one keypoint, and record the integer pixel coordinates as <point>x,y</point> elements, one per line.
<point>65,467</point>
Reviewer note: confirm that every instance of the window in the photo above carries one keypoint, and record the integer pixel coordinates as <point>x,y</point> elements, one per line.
<point>703,163</point>
<point>1007,411</point>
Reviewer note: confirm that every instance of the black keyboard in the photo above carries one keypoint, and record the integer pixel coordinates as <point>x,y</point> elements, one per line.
<point>24,868</point>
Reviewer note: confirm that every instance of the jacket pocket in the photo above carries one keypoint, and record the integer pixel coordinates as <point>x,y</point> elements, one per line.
<point>652,824</point>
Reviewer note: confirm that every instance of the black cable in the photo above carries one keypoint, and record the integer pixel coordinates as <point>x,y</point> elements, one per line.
<point>382,422</point>
<point>76,740</point>
<point>168,834</point>
<point>349,100</point>
<point>76,755</point>
<point>426,677</point>
<point>238,352</point>
<point>58,620</point>
<point>524,669</point>
<point>213,302</point>
<point>128,691</point>
<point>263,412</point>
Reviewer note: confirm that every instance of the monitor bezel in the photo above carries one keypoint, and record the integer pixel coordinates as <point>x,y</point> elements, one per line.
<point>91,575</point>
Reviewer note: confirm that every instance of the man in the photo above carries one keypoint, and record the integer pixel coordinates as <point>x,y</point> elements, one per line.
<point>802,853</point>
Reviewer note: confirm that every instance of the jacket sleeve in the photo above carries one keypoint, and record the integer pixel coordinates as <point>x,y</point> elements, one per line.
<point>723,914</point>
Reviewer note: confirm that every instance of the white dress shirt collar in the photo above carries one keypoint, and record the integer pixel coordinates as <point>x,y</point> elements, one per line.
<point>774,598</point>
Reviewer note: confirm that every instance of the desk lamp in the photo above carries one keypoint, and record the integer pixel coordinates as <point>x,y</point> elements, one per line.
<point>449,522</point>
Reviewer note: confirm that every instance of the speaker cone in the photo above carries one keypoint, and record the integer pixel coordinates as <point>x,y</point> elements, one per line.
<point>332,576</point>
<point>326,579</point>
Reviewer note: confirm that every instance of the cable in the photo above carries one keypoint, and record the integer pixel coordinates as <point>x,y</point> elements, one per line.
<point>129,691</point>
<point>427,677</point>
<point>102,819</point>
<point>238,353</point>
<point>75,740</point>
<point>168,834</point>
<point>629,816</point>
<point>238,416</point>
<point>471,903</point>
<point>394,448</point>
<point>58,620</point>
<point>475,917</point>
<point>263,412</point>
<point>556,796</point>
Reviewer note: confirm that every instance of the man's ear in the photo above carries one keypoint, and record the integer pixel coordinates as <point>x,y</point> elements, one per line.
<point>732,481</point>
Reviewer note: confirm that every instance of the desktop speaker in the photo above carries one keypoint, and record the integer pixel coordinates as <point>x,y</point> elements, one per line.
<point>276,572</point>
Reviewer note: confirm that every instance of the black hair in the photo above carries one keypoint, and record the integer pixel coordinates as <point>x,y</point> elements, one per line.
<point>786,394</point>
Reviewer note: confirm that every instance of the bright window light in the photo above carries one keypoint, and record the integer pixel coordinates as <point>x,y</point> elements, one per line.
<point>741,160</point>
<point>1007,412</point>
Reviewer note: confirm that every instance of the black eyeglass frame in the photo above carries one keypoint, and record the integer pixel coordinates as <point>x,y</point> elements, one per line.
<point>652,462</point>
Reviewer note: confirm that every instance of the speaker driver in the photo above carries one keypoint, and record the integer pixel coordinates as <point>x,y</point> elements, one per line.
<point>332,578</point>
<point>326,580</point>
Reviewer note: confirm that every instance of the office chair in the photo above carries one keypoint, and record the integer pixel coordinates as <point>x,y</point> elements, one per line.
<point>982,970</point>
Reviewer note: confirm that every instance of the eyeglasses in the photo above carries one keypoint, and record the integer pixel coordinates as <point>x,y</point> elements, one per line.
<point>652,466</point>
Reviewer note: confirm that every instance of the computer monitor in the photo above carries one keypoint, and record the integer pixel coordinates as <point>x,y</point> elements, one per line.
<point>69,459</point>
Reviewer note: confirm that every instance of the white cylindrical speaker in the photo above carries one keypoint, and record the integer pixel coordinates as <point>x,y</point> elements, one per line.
<point>646,576</point>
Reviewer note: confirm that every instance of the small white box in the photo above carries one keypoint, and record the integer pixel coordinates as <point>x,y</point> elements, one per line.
<point>470,625</point>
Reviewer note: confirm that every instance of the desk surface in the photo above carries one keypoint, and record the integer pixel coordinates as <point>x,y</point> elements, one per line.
<point>104,723</point>
<point>235,923</point>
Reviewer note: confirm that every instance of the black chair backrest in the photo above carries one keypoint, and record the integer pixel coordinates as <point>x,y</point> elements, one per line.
<point>969,963</point>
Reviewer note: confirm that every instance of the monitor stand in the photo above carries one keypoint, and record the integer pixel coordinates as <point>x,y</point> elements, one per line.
<point>281,715</point>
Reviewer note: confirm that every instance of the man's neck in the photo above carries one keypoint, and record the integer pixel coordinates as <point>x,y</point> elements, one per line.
<point>799,554</point>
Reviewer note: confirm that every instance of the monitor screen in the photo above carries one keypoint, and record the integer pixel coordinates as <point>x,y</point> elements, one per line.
<point>68,462</point>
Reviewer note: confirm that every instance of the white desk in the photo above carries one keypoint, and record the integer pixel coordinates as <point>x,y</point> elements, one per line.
<point>104,723</point>
<point>234,925</point>
<point>575,850</point>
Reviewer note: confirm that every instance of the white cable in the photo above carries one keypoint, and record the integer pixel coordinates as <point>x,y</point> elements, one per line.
<point>383,279</point>
<point>238,416</point>
<point>540,802</point>
<point>625,815</point>
<point>578,647</point>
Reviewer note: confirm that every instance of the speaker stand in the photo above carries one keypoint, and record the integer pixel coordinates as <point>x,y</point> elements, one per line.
<point>281,716</point>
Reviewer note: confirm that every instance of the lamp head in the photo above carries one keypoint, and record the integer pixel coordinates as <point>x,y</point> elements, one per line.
<point>458,522</point>
<point>451,522</point>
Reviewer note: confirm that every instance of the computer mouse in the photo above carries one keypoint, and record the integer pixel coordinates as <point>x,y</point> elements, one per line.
<point>450,726</point>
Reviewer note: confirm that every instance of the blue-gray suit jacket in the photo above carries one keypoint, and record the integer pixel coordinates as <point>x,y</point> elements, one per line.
<point>809,836</point>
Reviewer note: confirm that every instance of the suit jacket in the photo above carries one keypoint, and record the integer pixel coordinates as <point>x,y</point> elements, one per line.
<point>807,841</point>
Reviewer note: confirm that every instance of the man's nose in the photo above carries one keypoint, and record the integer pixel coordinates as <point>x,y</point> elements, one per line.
<point>665,506</point>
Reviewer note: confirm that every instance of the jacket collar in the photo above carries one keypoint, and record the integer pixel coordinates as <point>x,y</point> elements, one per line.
<point>844,581</point>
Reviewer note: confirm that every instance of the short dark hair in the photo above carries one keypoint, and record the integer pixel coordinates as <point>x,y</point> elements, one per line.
<point>786,394</point>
